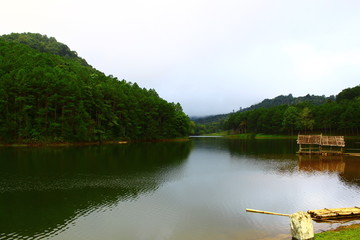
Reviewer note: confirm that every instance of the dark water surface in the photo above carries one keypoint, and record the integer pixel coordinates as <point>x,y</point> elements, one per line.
<point>192,190</point>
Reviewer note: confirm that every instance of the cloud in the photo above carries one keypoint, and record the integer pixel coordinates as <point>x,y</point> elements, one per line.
<point>311,64</point>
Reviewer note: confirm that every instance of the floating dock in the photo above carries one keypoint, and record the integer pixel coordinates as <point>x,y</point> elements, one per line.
<point>335,214</point>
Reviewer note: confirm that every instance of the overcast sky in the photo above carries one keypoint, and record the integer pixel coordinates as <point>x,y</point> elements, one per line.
<point>212,56</point>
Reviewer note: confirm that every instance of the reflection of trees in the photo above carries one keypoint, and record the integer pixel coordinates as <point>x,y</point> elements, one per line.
<point>262,147</point>
<point>274,155</point>
<point>352,171</point>
<point>280,154</point>
<point>247,147</point>
<point>43,189</point>
<point>347,167</point>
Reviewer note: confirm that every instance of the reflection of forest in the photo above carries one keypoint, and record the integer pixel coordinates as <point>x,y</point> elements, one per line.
<point>43,189</point>
<point>347,167</point>
<point>261,147</point>
<point>282,152</point>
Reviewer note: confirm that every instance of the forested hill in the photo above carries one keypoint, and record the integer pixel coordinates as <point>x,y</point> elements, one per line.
<point>44,44</point>
<point>48,94</point>
<point>289,100</point>
<point>340,116</point>
<point>215,123</point>
<point>286,114</point>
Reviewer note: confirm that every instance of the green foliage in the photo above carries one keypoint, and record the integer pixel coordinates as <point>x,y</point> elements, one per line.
<point>290,118</point>
<point>330,117</point>
<point>209,124</point>
<point>348,94</point>
<point>290,100</point>
<point>45,44</point>
<point>48,97</point>
<point>217,123</point>
<point>306,120</point>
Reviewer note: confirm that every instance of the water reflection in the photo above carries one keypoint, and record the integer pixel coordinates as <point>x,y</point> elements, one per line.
<point>320,163</point>
<point>241,147</point>
<point>348,168</point>
<point>279,156</point>
<point>193,190</point>
<point>42,190</point>
<point>268,175</point>
<point>351,173</point>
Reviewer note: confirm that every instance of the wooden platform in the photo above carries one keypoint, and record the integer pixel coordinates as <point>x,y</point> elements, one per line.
<point>328,153</point>
<point>335,213</point>
<point>322,153</point>
<point>323,145</point>
<point>353,154</point>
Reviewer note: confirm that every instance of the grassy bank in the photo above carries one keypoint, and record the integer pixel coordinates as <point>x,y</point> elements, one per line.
<point>351,232</point>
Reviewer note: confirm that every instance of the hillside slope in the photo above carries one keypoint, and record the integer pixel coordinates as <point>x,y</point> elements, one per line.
<point>54,97</point>
<point>286,114</point>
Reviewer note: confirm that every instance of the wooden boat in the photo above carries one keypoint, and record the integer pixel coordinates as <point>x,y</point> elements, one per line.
<point>334,213</point>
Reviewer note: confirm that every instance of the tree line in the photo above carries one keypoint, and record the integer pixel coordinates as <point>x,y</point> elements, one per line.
<point>52,96</point>
<point>340,116</point>
<point>216,123</point>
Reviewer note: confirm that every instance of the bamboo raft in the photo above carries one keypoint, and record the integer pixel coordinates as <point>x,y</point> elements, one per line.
<point>335,213</point>
<point>324,215</point>
<point>301,225</point>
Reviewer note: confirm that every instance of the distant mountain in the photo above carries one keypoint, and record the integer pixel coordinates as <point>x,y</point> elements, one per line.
<point>212,123</point>
<point>309,114</point>
<point>289,100</point>
<point>268,103</point>
<point>209,119</point>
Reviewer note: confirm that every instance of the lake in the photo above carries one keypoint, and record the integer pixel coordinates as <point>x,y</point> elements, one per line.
<point>194,190</point>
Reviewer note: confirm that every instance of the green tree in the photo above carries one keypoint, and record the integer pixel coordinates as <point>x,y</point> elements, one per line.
<point>306,121</point>
<point>290,119</point>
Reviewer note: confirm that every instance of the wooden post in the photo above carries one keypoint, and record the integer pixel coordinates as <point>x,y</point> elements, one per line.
<point>301,226</point>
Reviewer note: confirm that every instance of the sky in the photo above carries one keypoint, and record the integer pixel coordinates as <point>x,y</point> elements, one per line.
<point>211,56</point>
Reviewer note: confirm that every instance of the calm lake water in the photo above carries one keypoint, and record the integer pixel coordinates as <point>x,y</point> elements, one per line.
<point>196,190</point>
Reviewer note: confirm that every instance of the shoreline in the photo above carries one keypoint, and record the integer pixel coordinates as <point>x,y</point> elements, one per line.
<point>225,134</point>
<point>69,144</point>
